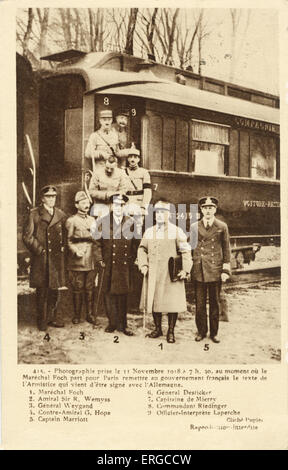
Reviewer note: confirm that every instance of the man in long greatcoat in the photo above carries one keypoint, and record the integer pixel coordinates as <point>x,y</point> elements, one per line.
<point>116,253</point>
<point>211,266</point>
<point>160,294</point>
<point>44,236</point>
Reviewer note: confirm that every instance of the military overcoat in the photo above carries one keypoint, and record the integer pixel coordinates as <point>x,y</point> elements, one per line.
<point>45,238</point>
<point>160,294</point>
<point>118,249</point>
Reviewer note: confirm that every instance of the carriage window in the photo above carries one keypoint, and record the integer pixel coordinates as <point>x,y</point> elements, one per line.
<point>209,158</point>
<point>263,157</point>
<point>209,148</point>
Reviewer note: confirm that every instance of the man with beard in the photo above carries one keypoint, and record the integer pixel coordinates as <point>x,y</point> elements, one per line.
<point>105,182</point>
<point>44,236</point>
<point>81,262</point>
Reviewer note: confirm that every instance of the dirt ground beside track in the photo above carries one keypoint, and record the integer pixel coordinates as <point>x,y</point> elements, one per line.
<point>252,335</point>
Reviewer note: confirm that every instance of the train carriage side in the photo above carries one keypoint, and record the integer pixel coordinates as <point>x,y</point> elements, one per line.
<point>193,141</point>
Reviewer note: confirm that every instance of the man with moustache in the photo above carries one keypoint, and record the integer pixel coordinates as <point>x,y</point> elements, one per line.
<point>44,236</point>
<point>81,258</point>
<point>138,182</point>
<point>121,127</point>
<point>103,143</point>
<point>159,294</point>
<point>105,182</point>
<point>211,266</point>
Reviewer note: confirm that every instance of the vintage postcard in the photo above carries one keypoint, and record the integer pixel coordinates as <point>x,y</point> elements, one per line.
<point>144,225</point>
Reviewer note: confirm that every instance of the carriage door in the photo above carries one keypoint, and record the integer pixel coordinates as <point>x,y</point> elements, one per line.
<point>60,129</point>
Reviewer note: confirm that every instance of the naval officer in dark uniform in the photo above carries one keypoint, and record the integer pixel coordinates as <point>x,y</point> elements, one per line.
<point>116,253</point>
<point>211,266</point>
<point>44,236</point>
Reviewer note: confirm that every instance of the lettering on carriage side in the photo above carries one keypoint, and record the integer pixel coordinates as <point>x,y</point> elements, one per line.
<point>258,125</point>
<point>262,204</point>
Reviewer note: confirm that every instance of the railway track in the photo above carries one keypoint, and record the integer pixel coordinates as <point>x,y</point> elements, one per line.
<point>259,274</point>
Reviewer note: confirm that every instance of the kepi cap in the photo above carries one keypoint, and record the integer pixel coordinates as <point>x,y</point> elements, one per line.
<point>48,191</point>
<point>80,196</point>
<point>208,201</point>
<point>119,198</point>
<point>105,113</point>
<point>122,111</point>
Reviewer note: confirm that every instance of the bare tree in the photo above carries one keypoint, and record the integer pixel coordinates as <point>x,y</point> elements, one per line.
<point>238,17</point>
<point>203,32</point>
<point>185,38</point>
<point>66,17</point>
<point>145,32</point>
<point>130,30</point>
<point>27,35</point>
<point>43,17</point>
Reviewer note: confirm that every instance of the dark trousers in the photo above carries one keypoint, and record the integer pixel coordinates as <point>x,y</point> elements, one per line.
<point>116,310</point>
<point>213,289</point>
<point>46,305</point>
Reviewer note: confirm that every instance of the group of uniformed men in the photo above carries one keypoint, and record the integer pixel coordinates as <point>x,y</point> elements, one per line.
<point>117,179</point>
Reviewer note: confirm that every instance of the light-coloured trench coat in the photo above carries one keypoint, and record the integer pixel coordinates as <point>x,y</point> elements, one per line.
<point>156,247</point>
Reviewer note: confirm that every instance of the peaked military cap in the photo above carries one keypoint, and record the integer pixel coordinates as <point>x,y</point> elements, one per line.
<point>119,198</point>
<point>80,196</point>
<point>106,113</point>
<point>49,191</point>
<point>208,201</point>
<point>122,111</point>
<point>162,205</point>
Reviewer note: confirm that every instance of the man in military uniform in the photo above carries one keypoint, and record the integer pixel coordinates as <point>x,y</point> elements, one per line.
<point>44,236</point>
<point>105,182</point>
<point>117,251</point>
<point>159,294</point>
<point>81,263</point>
<point>104,142</point>
<point>139,182</point>
<point>211,266</point>
<point>121,127</point>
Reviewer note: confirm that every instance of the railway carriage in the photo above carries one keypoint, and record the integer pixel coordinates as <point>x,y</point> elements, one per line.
<point>197,136</point>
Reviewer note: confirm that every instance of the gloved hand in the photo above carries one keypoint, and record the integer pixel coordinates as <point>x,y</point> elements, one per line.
<point>224,277</point>
<point>144,270</point>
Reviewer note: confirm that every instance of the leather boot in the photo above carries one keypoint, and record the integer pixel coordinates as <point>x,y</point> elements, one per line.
<point>52,315</point>
<point>158,330</point>
<point>89,307</point>
<point>77,301</point>
<point>172,318</point>
<point>41,300</point>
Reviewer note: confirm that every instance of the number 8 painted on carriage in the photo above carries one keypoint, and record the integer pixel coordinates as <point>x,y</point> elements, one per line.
<point>106,101</point>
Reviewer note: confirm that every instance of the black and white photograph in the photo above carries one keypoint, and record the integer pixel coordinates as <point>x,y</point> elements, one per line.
<point>148,185</point>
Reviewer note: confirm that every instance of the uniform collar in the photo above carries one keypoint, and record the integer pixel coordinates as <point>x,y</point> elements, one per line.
<point>210,222</point>
<point>50,210</point>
